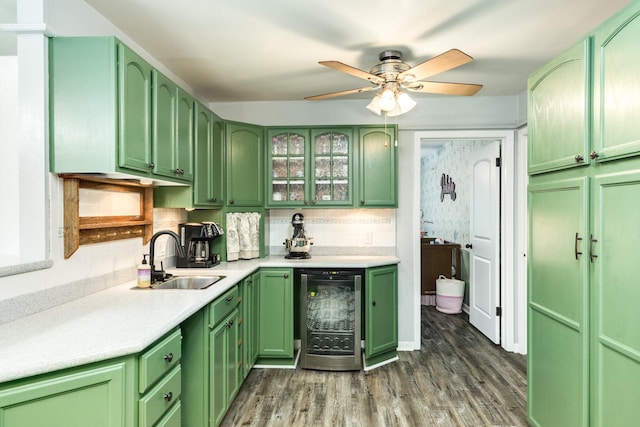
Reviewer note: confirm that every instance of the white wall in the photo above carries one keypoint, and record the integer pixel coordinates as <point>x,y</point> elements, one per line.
<point>8,142</point>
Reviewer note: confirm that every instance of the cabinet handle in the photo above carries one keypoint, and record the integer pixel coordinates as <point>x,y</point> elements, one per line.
<point>167,396</point>
<point>594,155</point>
<point>286,275</point>
<point>231,201</point>
<point>230,323</point>
<point>151,165</point>
<point>579,158</point>
<point>362,202</point>
<point>468,246</point>
<point>373,303</point>
<point>229,298</point>
<point>575,247</point>
<point>214,200</point>
<point>591,242</point>
<point>168,357</point>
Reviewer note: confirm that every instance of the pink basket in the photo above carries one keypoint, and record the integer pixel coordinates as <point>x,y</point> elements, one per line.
<point>449,295</point>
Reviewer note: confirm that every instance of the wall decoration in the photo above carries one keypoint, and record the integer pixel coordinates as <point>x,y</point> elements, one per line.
<point>447,186</point>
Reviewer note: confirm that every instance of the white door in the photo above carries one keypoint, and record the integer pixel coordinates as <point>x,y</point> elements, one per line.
<point>484,247</point>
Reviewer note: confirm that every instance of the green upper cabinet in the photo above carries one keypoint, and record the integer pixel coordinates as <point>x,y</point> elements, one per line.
<point>184,136</point>
<point>209,162</point>
<point>616,78</point>
<point>288,170</point>
<point>381,314</point>
<point>310,167</point>
<point>332,152</point>
<point>244,164</point>
<point>135,111</point>
<point>102,113</point>
<point>559,111</point>
<point>378,167</point>
<point>172,129</point>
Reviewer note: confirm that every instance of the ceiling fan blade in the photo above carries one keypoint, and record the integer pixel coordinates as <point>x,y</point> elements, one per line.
<point>336,65</point>
<point>341,93</point>
<point>438,64</point>
<point>443,88</point>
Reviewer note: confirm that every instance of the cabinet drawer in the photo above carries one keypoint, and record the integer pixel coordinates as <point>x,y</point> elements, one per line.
<point>159,359</point>
<point>160,398</point>
<point>224,305</point>
<point>173,417</point>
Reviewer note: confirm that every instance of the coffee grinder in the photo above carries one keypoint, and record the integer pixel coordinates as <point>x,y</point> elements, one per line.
<point>195,239</point>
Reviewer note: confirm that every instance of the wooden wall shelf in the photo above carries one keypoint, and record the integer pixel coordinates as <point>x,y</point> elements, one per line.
<point>82,230</point>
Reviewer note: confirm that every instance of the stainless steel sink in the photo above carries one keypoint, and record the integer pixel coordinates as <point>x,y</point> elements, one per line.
<point>187,282</point>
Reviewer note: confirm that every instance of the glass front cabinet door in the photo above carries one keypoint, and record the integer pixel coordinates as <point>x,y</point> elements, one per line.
<point>332,164</point>
<point>288,183</point>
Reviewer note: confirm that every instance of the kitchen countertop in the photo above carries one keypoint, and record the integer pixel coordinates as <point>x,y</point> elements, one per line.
<point>124,320</point>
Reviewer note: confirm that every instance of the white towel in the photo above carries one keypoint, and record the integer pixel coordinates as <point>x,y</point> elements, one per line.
<point>233,243</point>
<point>243,235</point>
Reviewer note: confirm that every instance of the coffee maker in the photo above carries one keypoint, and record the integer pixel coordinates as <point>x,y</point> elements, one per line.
<point>195,239</point>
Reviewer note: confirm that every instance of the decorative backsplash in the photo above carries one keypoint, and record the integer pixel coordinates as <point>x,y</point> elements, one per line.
<point>337,231</point>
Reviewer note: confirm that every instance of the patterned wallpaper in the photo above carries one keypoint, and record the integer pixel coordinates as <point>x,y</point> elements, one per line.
<point>448,219</point>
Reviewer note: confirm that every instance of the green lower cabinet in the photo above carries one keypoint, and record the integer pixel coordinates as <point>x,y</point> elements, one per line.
<point>99,395</point>
<point>275,316</point>
<point>381,314</point>
<point>223,378</point>
<point>249,305</point>
<point>211,361</point>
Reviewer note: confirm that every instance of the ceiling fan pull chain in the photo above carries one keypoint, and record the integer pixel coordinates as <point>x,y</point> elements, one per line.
<point>385,130</point>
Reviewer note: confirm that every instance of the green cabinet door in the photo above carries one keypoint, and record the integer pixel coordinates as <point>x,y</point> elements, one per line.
<point>615,337</point>
<point>209,159</point>
<point>381,314</point>
<point>183,149</point>
<point>288,177</point>
<point>173,113</point>
<point>616,105</point>
<point>249,322</point>
<point>244,154</point>
<point>558,303</point>
<point>224,357</point>
<point>332,152</point>
<point>134,145</point>
<point>275,313</point>
<point>559,108</point>
<point>165,101</point>
<point>100,396</point>
<point>378,180</point>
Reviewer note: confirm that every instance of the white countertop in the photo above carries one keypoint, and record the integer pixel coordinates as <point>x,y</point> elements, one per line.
<point>125,320</point>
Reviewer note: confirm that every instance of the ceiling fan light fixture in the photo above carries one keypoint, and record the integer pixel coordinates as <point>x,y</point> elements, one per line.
<point>374,105</point>
<point>387,100</point>
<point>405,102</point>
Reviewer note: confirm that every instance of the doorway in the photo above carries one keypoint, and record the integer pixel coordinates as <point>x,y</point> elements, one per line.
<point>512,314</point>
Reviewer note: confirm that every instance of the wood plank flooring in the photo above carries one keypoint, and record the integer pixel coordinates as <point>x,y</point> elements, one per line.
<point>458,378</point>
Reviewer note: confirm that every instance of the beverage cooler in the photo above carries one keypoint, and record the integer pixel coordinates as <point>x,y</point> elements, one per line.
<point>330,318</point>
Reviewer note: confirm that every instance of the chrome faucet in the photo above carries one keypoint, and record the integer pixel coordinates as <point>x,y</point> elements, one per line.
<point>159,275</point>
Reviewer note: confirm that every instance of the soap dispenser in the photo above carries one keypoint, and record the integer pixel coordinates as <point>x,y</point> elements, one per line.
<point>144,273</point>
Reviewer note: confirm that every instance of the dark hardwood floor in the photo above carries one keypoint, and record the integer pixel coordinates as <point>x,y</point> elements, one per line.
<point>458,378</point>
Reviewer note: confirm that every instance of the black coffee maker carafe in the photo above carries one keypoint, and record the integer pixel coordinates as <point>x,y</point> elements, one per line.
<point>195,239</point>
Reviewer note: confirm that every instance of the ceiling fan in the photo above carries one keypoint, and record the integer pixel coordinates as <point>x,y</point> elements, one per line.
<point>393,76</point>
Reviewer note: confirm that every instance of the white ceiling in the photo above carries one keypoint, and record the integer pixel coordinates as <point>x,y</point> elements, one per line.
<point>268,50</point>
